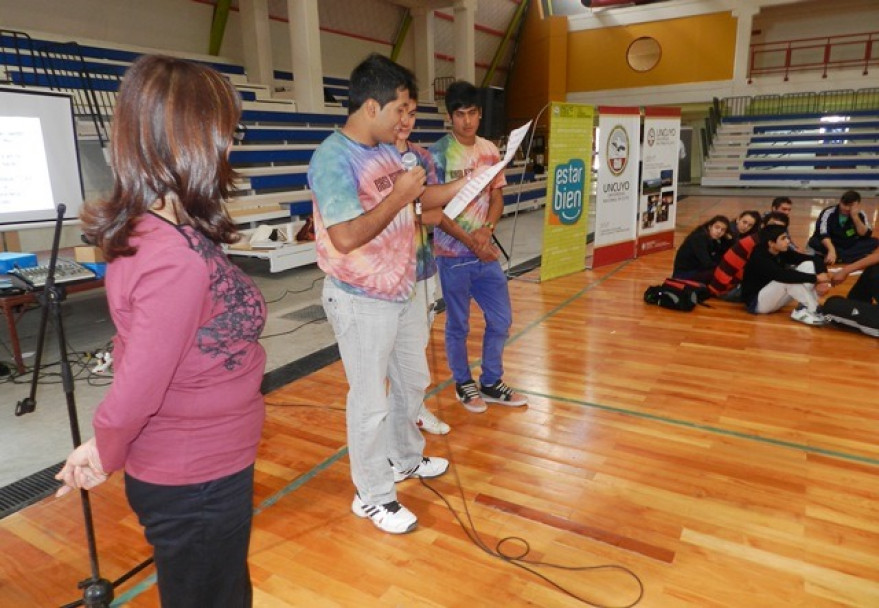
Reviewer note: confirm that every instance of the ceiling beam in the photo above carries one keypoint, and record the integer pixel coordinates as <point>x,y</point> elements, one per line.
<point>218,26</point>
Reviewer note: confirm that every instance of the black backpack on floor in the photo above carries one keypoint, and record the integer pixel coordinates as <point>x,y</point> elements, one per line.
<point>670,297</point>
<point>677,294</point>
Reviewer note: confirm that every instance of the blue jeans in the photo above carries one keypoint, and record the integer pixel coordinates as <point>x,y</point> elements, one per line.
<point>200,534</point>
<point>461,279</point>
<point>380,341</point>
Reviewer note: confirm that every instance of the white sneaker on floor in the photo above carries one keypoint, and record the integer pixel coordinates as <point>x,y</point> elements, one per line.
<point>804,315</point>
<point>391,517</point>
<point>431,424</point>
<point>428,468</point>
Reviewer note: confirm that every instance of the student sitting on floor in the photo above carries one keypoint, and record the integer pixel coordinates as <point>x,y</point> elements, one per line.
<point>783,205</point>
<point>771,281</point>
<point>866,288</point>
<point>746,224</point>
<point>701,250</point>
<point>842,232</point>
<point>726,281</point>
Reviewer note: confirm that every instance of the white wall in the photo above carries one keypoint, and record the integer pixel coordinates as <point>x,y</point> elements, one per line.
<point>339,54</point>
<point>174,25</point>
<point>816,18</point>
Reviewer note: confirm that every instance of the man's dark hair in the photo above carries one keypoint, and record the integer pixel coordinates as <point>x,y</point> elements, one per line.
<point>850,197</point>
<point>378,78</point>
<point>461,94</point>
<point>771,233</point>
<point>777,216</point>
<point>778,201</point>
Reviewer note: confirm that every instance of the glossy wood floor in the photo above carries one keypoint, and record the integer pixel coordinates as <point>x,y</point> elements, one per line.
<point>724,459</point>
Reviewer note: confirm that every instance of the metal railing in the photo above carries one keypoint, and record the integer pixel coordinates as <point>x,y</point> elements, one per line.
<point>440,84</point>
<point>823,102</point>
<point>61,67</point>
<point>845,51</point>
<point>17,56</point>
<point>92,89</point>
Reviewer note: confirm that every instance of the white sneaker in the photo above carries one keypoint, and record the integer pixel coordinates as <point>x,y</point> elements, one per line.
<point>427,468</point>
<point>804,315</point>
<point>431,424</point>
<point>391,517</point>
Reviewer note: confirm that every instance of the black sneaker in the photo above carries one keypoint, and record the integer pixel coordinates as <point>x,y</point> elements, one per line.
<point>468,395</point>
<point>503,394</point>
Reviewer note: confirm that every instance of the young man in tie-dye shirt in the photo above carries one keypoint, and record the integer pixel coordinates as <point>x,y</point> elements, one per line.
<point>365,226</point>
<point>468,261</point>
<point>425,265</point>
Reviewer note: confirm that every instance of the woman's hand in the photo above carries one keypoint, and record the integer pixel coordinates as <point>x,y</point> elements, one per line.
<point>82,470</point>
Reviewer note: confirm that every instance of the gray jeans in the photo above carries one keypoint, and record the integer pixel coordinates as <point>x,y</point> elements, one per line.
<point>380,342</point>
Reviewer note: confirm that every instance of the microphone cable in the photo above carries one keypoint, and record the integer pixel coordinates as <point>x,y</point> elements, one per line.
<point>534,125</point>
<point>500,551</point>
<point>516,559</point>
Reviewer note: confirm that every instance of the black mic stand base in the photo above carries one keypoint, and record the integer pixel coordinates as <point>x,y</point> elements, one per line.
<point>98,593</point>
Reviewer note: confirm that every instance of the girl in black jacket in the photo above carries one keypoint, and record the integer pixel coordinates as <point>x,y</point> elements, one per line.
<point>701,250</point>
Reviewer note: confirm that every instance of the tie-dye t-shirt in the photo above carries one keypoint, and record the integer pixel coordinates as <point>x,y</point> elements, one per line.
<point>453,161</point>
<point>425,265</point>
<point>347,179</point>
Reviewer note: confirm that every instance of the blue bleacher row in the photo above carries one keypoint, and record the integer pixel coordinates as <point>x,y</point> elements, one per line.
<point>278,145</point>
<point>838,148</point>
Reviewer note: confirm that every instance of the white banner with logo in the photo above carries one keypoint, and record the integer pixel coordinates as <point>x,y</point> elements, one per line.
<point>616,203</point>
<point>659,179</point>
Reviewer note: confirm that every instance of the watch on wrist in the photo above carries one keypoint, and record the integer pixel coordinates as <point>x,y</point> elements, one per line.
<point>489,225</point>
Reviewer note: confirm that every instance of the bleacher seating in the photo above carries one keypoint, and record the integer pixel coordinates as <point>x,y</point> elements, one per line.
<point>273,157</point>
<point>802,140</point>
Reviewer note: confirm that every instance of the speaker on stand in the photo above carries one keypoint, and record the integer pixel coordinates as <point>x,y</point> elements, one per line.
<point>493,124</point>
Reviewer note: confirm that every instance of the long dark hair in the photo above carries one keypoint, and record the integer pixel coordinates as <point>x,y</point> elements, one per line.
<point>172,127</point>
<point>717,218</point>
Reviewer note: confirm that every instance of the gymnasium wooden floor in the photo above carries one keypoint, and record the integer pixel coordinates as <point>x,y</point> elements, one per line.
<point>718,458</point>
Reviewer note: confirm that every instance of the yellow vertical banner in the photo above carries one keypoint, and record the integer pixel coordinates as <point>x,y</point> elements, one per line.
<point>567,193</point>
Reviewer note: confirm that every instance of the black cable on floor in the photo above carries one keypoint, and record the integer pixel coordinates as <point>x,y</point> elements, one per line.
<point>515,559</point>
<point>294,330</point>
<point>288,292</point>
<point>519,559</point>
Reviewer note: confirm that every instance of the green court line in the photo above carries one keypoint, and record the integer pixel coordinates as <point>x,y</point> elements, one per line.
<point>711,429</point>
<point>135,591</point>
<point>663,419</point>
<point>441,385</point>
<point>300,481</point>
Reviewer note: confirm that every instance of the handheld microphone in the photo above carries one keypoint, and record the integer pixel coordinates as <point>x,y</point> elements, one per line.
<point>410,161</point>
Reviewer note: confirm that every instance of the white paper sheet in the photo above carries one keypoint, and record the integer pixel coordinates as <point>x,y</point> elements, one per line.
<point>469,192</point>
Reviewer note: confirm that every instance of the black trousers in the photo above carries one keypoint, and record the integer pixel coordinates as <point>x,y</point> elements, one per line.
<point>859,249</point>
<point>200,535</point>
<point>866,289</point>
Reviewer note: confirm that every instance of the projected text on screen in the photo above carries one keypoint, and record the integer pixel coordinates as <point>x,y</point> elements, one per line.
<point>24,170</point>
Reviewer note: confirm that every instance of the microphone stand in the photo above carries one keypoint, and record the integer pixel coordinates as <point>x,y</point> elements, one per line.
<point>501,247</point>
<point>97,591</point>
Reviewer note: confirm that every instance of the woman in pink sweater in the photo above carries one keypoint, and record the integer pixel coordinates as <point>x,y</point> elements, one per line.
<point>184,414</point>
